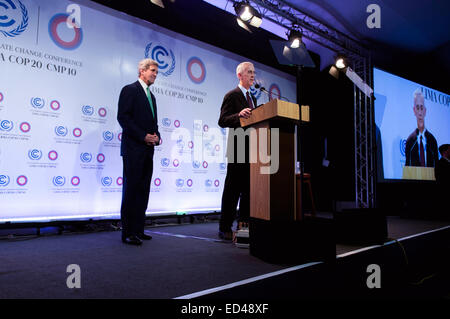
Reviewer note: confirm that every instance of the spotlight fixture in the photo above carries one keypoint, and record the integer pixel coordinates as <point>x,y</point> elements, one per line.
<point>295,38</point>
<point>159,3</point>
<point>341,62</point>
<point>247,14</point>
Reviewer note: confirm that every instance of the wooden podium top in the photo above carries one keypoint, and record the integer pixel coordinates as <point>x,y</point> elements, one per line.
<point>420,173</point>
<point>274,109</point>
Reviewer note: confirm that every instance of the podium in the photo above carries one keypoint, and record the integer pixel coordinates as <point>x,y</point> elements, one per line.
<point>276,235</point>
<point>418,173</point>
<point>273,194</point>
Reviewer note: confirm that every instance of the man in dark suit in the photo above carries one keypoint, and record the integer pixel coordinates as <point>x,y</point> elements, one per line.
<point>137,116</point>
<point>238,103</point>
<point>421,146</point>
<point>442,169</point>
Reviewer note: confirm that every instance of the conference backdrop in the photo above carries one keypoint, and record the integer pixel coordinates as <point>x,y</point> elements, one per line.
<point>395,119</point>
<point>62,66</point>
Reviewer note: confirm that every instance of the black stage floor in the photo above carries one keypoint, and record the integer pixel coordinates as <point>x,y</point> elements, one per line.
<point>186,260</point>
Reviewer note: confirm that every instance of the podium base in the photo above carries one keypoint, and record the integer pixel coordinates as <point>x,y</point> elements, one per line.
<point>292,242</point>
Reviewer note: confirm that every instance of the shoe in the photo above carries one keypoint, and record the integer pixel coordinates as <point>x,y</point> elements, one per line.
<point>225,235</point>
<point>144,236</point>
<point>132,240</point>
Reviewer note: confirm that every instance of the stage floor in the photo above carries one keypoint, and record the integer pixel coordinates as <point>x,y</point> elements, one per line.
<point>180,260</point>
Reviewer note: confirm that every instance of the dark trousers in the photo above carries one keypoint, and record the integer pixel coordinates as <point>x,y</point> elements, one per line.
<point>236,189</point>
<point>137,176</point>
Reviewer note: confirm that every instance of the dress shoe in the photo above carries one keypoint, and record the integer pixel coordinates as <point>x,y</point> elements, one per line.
<point>144,236</point>
<point>132,240</point>
<point>225,235</point>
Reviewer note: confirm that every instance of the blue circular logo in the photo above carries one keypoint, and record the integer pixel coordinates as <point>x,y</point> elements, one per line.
<point>196,164</point>
<point>4,180</point>
<point>108,136</point>
<point>208,183</point>
<point>35,154</point>
<point>165,162</point>
<point>166,122</point>
<point>107,181</point>
<point>196,70</point>
<point>87,110</point>
<point>61,130</point>
<point>179,182</point>
<point>86,157</point>
<point>6,125</point>
<point>37,102</point>
<point>15,19</point>
<point>403,146</point>
<point>59,181</point>
<point>165,59</point>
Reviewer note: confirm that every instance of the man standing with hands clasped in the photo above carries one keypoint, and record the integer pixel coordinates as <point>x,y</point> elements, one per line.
<point>137,116</point>
<point>238,103</point>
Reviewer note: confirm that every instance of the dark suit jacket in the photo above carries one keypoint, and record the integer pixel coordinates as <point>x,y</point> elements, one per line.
<point>412,150</point>
<point>136,119</point>
<point>234,102</point>
<point>442,173</point>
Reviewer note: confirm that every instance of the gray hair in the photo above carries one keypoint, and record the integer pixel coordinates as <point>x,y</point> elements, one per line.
<point>145,64</point>
<point>240,67</point>
<point>418,93</point>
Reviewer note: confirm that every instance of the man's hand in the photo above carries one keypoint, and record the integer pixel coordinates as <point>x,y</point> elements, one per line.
<point>151,139</point>
<point>245,113</point>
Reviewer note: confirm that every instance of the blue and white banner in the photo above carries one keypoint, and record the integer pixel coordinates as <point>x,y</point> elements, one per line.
<point>62,66</point>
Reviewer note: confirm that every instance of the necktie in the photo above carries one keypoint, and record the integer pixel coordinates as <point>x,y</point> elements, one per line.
<point>149,97</point>
<point>422,153</point>
<point>249,101</point>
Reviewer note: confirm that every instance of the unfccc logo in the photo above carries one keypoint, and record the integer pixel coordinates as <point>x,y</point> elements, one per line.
<point>87,110</point>
<point>107,181</point>
<point>37,102</point>
<point>59,181</point>
<point>86,157</point>
<point>196,70</point>
<point>60,130</point>
<point>108,136</point>
<point>35,154</point>
<point>166,61</point>
<point>6,125</point>
<point>4,180</point>
<point>13,21</point>
<point>402,146</point>
<point>256,93</point>
<point>67,36</point>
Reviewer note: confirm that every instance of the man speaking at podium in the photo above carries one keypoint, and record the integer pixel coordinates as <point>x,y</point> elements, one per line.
<point>138,118</point>
<point>421,147</point>
<point>238,103</point>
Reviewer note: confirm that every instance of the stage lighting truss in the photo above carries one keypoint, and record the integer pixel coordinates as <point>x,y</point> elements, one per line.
<point>285,15</point>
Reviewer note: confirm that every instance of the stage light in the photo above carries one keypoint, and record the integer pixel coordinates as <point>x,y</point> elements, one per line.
<point>341,62</point>
<point>295,38</point>
<point>247,14</point>
<point>159,3</point>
